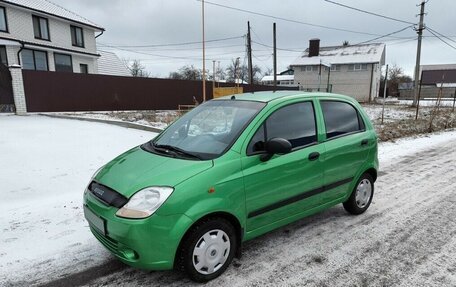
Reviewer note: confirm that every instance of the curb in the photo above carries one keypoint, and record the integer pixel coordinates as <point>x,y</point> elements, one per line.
<point>111,122</point>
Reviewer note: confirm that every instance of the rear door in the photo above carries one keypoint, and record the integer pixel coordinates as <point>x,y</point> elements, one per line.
<point>286,184</point>
<point>347,147</point>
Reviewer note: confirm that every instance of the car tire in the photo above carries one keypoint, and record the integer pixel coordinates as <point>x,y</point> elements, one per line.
<point>208,249</point>
<point>361,196</point>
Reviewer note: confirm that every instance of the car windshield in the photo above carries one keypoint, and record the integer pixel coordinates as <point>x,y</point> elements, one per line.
<point>208,130</point>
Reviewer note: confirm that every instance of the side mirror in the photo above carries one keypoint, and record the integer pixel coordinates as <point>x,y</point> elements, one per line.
<point>276,146</point>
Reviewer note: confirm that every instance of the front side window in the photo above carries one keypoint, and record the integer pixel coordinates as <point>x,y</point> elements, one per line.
<point>77,36</point>
<point>208,130</point>
<point>41,28</point>
<point>63,63</point>
<point>3,25</point>
<point>295,123</point>
<point>3,58</point>
<point>34,60</point>
<point>340,118</point>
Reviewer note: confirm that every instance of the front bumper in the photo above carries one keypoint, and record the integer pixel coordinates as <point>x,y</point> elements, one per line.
<point>149,243</point>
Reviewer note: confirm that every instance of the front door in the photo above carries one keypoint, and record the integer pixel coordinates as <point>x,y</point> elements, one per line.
<point>285,185</point>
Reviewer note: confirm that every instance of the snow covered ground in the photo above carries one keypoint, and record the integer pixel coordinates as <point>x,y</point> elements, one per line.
<point>406,238</point>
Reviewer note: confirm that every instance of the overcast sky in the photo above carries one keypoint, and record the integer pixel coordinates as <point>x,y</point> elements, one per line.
<point>159,22</point>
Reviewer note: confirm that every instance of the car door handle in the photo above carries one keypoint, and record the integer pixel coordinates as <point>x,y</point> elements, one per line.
<point>314,156</point>
<point>364,142</point>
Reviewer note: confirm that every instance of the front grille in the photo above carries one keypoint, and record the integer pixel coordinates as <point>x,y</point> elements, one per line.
<point>107,195</point>
<point>109,243</point>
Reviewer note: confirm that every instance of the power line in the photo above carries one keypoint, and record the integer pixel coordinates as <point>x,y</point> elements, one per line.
<point>386,35</point>
<point>287,20</point>
<point>432,32</point>
<point>172,44</point>
<point>368,12</point>
<point>446,37</point>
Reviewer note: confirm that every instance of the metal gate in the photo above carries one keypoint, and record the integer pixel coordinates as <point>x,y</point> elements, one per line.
<point>6,90</point>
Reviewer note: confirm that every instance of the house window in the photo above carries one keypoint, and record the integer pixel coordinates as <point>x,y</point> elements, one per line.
<point>63,63</point>
<point>314,68</point>
<point>309,68</point>
<point>3,58</point>
<point>84,68</point>
<point>335,67</point>
<point>41,28</point>
<point>77,36</point>
<point>34,60</point>
<point>3,25</point>
<point>303,68</point>
<point>357,67</point>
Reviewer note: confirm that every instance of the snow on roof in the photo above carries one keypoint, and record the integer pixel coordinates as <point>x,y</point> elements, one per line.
<point>366,53</point>
<point>110,64</point>
<point>53,9</point>
<point>279,78</point>
<point>438,67</point>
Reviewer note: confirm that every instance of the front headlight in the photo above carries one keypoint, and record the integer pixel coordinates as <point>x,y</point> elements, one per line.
<point>145,202</point>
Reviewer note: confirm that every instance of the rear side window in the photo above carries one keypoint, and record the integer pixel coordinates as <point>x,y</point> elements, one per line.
<point>295,122</point>
<point>340,118</point>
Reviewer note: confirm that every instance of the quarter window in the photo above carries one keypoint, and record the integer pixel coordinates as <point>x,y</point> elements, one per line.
<point>77,36</point>
<point>340,118</point>
<point>3,25</point>
<point>295,122</point>
<point>41,28</point>
<point>63,63</point>
<point>34,60</point>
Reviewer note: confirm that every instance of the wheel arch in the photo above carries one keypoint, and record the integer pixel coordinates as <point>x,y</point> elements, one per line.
<point>218,214</point>
<point>372,172</point>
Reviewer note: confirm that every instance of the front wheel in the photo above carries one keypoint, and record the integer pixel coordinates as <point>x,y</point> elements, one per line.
<point>361,196</point>
<point>208,249</point>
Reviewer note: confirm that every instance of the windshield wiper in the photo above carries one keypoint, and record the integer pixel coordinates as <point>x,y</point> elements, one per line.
<point>176,150</point>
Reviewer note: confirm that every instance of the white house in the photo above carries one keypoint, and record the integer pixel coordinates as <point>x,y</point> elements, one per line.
<point>284,79</point>
<point>40,35</point>
<point>353,70</point>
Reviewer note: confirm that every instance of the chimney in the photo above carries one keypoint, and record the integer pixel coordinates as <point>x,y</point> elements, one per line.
<point>314,47</point>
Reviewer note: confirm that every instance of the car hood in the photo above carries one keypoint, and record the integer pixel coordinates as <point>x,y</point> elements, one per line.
<point>137,169</point>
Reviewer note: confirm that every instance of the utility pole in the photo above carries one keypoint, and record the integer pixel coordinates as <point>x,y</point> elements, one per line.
<point>249,52</point>
<point>275,55</point>
<point>204,54</point>
<point>218,74</point>
<point>384,92</point>
<point>213,76</point>
<point>419,31</point>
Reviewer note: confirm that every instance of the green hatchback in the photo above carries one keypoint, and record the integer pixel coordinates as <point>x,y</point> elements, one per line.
<point>228,171</point>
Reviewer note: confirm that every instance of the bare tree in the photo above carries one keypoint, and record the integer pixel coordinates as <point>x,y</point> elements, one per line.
<point>137,69</point>
<point>236,70</point>
<point>188,72</point>
<point>396,77</point>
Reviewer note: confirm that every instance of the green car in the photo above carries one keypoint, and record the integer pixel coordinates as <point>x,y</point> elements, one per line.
<point>228,171</point>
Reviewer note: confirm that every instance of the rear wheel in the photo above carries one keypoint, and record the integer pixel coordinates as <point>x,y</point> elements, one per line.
<point>208,249</point>
<point>361,196</point>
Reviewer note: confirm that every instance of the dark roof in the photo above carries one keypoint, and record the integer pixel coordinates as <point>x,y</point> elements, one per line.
<point>433,77</point>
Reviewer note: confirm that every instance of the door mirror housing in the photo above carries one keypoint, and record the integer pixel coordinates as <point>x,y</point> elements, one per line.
<point>276,146</point>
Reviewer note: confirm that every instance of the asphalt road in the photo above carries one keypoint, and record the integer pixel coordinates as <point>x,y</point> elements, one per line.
<point>406,238</point>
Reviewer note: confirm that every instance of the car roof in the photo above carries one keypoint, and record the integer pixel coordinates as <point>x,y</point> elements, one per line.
<point>268,96</point>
